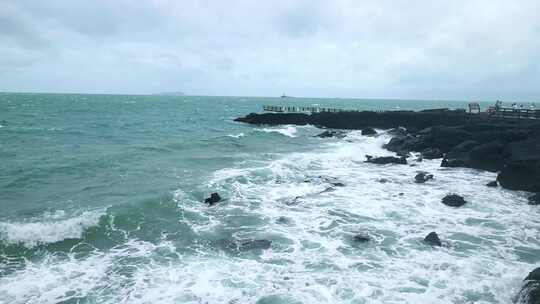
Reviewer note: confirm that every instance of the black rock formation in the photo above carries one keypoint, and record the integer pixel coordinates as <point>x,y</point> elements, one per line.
<point>360,238</point>
<point>530,292</point>
<point>368,131</point>
<point>386,160</point>
<point>213,199</point>
<point>453,200</point>
<point>422,177</point>
<point>433,239</point>
<point>332,133</point>
<point>492,184</point>
<point>534,199</point>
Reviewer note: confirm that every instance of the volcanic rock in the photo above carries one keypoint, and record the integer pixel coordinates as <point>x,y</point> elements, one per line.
<point>530,291</point>
<point>453,200</point>
<point>213,199</point>
<point>433,239</point>
<point>386,160</point>
<point>422,177</point>
<point>368,131</point>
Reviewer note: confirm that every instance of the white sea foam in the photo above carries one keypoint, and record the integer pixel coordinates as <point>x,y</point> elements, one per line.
<point>289,131</point>
<point>313,259</point>
<point>50,228</point>
<point>236,135</point>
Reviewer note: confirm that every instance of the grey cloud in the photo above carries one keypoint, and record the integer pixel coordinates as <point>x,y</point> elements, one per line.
<point>344,48</point>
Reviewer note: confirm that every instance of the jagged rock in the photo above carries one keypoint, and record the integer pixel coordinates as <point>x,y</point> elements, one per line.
<point>368,131</point>
<point>432,153</point>
<point>433,239</point>
<point>522,169</point>
<point>332,133</point>
<point>382,180</point>
<point>534,199</point>
<point>453,200</point>
<point>422,177</point>
<point>360,238</point>
<point>386,160</point>
<point>492,184</point>
<point>213,199</point>
<point>530,291</point>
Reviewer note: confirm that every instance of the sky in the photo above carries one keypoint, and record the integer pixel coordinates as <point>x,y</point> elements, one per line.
<point>464,50</point>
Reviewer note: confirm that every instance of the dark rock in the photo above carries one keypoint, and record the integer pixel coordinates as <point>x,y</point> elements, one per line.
<point>245,245</point>
<point>492,184</point>
<point>522,168</point>
<point>386,160</point>
<point>422,177</point>
<point>433,239</point>
<point>530,291</point>
<point>338,184</point>
<point>332,133</point>
<point>432,153</point>
<point>361,238</point>
<point>382,180</point>
<point>534,199</point>
<point>453,200</point>
<point>213,199</point>
<point>368,131</point>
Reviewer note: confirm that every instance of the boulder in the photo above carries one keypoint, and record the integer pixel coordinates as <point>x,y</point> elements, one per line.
<point>530,291</point>
<point>386,160</point>
<point>492,184</point>
<point>453,200</point>
<point>534,199</point>
<point>368,131</point>
<point>332,133</point>
<point>422,177</point>
<point>433,239</point>
<point>432,153</point>
<point>522,168</point>
<point>213,199</point>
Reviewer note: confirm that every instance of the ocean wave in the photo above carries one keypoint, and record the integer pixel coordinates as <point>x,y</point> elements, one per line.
<point>236,135</point>
<point>289,131</point>
<point>50,228</point>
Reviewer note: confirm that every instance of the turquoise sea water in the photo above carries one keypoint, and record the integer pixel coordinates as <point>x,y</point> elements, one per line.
<point>101,202</point>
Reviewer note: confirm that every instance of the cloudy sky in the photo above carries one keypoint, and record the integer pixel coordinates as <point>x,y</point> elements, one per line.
<point>474,49</point>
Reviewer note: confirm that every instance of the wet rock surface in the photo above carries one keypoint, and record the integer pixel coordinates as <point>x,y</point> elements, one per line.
<point>433,239</point>
<point>509,146</point>
<point>453,200</point>
<point>530,291</point>
<point>213,199</point>
<point>383,160</point>
<point>422,177</point>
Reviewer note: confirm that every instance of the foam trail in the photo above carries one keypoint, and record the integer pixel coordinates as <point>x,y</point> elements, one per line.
<point>289,131</point>
<point>52,228</point>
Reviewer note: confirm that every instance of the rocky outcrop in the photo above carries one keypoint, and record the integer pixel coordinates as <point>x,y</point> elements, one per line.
<point>508,146</point>
<point>453,200</point>
<point>492,184</point>
<point>530,292</point>
<point>534,199</point>
<point>332,133</point>
<point>368,131</point>
<point>422,177</point>
<point>213,199</point>
<point>433,239</point>
<point>383,160</point>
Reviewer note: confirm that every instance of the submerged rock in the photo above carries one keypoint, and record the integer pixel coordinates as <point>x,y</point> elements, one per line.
<point>246,245</point>
<point>433,239</point>
<point>361,238</point>
<point>213,199</point>
<point>386,160</point>
<point>453,200</point>
<point>530,292</point>
<point>368,131</point>
<point>422,177</point>
<point>332,133</point>
<point>492,184</point>
<point>534,199</point>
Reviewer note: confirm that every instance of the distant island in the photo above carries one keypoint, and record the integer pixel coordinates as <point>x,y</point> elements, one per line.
<point>178,93</point>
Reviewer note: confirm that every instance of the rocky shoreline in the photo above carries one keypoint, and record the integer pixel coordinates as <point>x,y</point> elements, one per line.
<point>510,147</point>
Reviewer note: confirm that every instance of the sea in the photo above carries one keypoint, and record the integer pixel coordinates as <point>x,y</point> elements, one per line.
<point>102,201</point>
